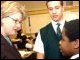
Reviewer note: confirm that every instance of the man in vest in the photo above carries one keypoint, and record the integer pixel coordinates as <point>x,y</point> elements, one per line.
<point>47,41</point>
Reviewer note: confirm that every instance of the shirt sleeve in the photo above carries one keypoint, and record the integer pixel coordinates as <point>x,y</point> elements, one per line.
<point>38,46</point>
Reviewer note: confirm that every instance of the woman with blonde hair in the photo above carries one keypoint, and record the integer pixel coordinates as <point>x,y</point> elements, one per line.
<point>12,14</point>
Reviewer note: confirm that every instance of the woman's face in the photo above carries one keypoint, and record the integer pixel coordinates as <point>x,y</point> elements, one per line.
<point>12,23</point>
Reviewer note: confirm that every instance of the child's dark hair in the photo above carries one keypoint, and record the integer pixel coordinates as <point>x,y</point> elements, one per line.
<point>72,29</point>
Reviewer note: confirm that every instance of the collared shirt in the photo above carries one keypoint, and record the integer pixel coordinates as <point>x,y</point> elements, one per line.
<point>38,46</point>
<point>75,56</point>
<point>8,40</point>
<point>54,24</point>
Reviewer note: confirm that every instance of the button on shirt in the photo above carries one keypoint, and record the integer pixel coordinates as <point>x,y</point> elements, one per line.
<point>38,46</point>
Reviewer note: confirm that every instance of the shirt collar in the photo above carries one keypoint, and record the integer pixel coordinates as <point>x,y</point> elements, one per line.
<point>8,39</point>
<point>75,56</point>
<point>61,21</point>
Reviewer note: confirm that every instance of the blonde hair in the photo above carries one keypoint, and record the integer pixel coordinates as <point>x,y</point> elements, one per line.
<point>10,7</point>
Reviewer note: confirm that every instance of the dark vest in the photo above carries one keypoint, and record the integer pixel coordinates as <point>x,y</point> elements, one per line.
<point>51,42</point>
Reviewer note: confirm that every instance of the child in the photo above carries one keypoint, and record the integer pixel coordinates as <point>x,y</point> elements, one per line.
<point>69,45</point>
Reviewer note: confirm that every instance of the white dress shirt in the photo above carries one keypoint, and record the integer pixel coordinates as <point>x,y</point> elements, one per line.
<point>75,56</point>
<point>38,46</point>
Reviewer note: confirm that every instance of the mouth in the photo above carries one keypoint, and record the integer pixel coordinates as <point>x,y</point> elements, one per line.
<point>15,30</point>
<point>60,49</point>
<point>55,16</point>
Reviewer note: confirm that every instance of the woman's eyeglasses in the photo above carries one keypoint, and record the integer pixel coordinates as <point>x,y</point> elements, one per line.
<point>16,21</point>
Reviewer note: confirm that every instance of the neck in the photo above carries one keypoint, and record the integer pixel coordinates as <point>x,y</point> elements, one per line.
<point>77,52</point>
<point>75,56</point>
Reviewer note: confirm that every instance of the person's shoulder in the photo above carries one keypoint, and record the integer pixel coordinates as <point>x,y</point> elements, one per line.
<point>43,28</point>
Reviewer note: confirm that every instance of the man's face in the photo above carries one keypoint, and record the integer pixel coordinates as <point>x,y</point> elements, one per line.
<point>55,10</point>
<point>12,23</point>
<point>66,47</point>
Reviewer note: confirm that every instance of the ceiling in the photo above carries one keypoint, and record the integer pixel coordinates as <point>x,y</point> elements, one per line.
<point>38,7</point>
<point>34,5</point>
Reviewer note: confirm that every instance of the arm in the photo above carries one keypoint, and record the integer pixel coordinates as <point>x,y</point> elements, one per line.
<point>38,47</point>
<point>40,55</point>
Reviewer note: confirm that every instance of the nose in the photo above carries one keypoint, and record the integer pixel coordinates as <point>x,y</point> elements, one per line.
<point>54,11</point>
<point>59,42</point>
<point>18,26</point>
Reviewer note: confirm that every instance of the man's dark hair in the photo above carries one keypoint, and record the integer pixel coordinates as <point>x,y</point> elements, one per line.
<point>72,29</point>
<point>61,2</point>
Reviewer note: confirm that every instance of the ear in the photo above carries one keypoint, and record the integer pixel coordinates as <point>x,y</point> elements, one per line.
<point>3,20</point>
<point>76,44</point>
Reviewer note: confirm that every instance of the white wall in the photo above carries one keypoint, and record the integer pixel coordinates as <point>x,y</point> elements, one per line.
<point>40,20</point>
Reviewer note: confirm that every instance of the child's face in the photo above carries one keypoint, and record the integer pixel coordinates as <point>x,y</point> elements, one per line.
<point>66,47</point>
